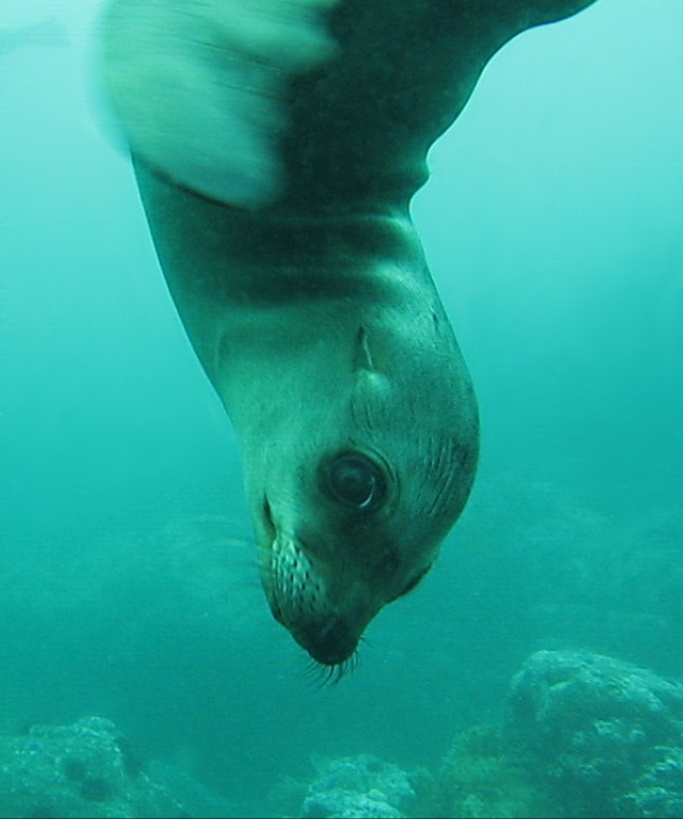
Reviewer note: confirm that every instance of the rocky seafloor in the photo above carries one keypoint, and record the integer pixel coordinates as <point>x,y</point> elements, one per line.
<point>88,770</point>
<point>584,735</point>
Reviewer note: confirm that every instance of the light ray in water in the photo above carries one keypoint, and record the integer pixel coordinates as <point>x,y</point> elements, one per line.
<point>49,33</point>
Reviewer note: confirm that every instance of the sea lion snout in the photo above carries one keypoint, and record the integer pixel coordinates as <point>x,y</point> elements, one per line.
<point>329,643</point>
<point>326,616</point>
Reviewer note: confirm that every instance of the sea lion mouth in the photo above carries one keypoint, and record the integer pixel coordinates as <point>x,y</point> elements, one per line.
<point>331,646</point>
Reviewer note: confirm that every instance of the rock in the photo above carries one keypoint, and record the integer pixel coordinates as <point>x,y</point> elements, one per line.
<point>80,771</point>
<point>605,736</point>
<point>658,793</point>
<point>358,786</point>
<point>343,804</point>
<point>478,778</point>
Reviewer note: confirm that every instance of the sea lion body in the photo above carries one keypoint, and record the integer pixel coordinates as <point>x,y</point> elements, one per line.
<point>317,321</point>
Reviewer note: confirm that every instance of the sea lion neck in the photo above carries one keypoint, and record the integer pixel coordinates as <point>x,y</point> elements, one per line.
<point>292,269</point>
<point>303,295</point>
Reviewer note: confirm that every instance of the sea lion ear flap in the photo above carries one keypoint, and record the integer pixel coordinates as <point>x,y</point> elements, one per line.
<point>362,358</point>
<point>369,382</point>
<point>197,87</point>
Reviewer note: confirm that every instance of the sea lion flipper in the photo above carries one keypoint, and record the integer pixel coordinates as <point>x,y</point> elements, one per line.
<point>206,91</point>
<point>197,87</point>
<point>363,123</point>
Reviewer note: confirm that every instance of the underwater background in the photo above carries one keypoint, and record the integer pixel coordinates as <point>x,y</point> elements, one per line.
<point>128,589</point>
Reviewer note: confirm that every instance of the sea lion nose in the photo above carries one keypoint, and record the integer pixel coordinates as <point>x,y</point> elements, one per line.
<point>330,644</point>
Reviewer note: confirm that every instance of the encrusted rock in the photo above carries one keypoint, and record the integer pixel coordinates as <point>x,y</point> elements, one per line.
<point>605,736</point>
<point>80,771</point>
<point>358,786</point>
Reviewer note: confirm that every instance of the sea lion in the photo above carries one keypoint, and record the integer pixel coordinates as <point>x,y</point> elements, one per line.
<point>299,277</point>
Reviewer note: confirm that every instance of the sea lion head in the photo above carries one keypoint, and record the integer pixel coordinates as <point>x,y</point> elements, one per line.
<point>354,486</point>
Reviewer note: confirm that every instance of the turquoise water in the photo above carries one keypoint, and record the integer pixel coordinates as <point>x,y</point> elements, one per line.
<point>553,227</point>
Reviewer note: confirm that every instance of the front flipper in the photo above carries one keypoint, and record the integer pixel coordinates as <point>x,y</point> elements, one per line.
<point>364,121</point>
<point>198,86</point>
<point>325,104</point>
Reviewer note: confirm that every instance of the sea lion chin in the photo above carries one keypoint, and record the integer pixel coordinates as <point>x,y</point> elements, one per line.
<point>280,214</point>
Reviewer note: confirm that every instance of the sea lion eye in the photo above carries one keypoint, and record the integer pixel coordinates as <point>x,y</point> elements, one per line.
<point>356,481</point>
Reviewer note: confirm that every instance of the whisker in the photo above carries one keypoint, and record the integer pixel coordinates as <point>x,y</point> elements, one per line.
<point>319,674</point>
<point>329,675</point>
